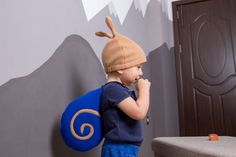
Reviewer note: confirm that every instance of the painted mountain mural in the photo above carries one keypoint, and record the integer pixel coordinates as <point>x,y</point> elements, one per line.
<point>31,106</point>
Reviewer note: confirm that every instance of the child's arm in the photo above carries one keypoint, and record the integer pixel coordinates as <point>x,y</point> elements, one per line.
<point>137,109</point>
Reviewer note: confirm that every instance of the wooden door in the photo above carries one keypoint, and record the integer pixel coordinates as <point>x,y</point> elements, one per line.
<point>205,50</point>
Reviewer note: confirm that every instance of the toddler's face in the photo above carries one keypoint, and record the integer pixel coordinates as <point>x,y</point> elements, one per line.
<point>131,75</point>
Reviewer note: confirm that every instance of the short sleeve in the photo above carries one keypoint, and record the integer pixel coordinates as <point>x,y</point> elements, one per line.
<point>115,94</point>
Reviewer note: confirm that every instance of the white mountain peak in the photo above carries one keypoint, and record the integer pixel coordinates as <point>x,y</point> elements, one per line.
<point>119,8</point>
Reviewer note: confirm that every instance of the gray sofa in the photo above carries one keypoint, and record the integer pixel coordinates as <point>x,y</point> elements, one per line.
<point>198,146</point>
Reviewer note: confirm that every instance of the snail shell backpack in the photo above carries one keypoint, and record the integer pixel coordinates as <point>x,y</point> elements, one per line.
<point>81,126</point>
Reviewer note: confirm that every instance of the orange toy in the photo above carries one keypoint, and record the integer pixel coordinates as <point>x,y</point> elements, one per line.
<point>213,137</point>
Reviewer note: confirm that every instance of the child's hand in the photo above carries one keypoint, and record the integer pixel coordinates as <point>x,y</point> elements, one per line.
<point>143,84</point>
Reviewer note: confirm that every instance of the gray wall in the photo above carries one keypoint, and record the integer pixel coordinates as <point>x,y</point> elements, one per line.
<point>50,55</point>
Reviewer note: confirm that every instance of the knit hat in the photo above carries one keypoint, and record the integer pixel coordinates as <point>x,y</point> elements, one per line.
<point>120,52</point>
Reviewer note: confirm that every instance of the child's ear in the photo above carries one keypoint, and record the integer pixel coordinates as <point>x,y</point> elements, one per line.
<point>120,72</point>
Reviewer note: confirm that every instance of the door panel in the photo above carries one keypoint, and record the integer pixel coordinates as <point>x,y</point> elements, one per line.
<point>205,62</point>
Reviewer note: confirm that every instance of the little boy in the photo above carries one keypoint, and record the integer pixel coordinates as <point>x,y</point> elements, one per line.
<point>121,111</point>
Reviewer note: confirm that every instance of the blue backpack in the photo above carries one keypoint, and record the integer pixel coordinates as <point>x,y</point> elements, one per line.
<point>81,125</point>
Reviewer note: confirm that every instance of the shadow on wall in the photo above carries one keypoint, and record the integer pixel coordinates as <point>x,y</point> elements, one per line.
<point>59,149</point>
<point>164,104</point>
<point>31,106</point>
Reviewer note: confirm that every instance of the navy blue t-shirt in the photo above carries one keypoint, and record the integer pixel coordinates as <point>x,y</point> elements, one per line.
<point>117,125</point>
